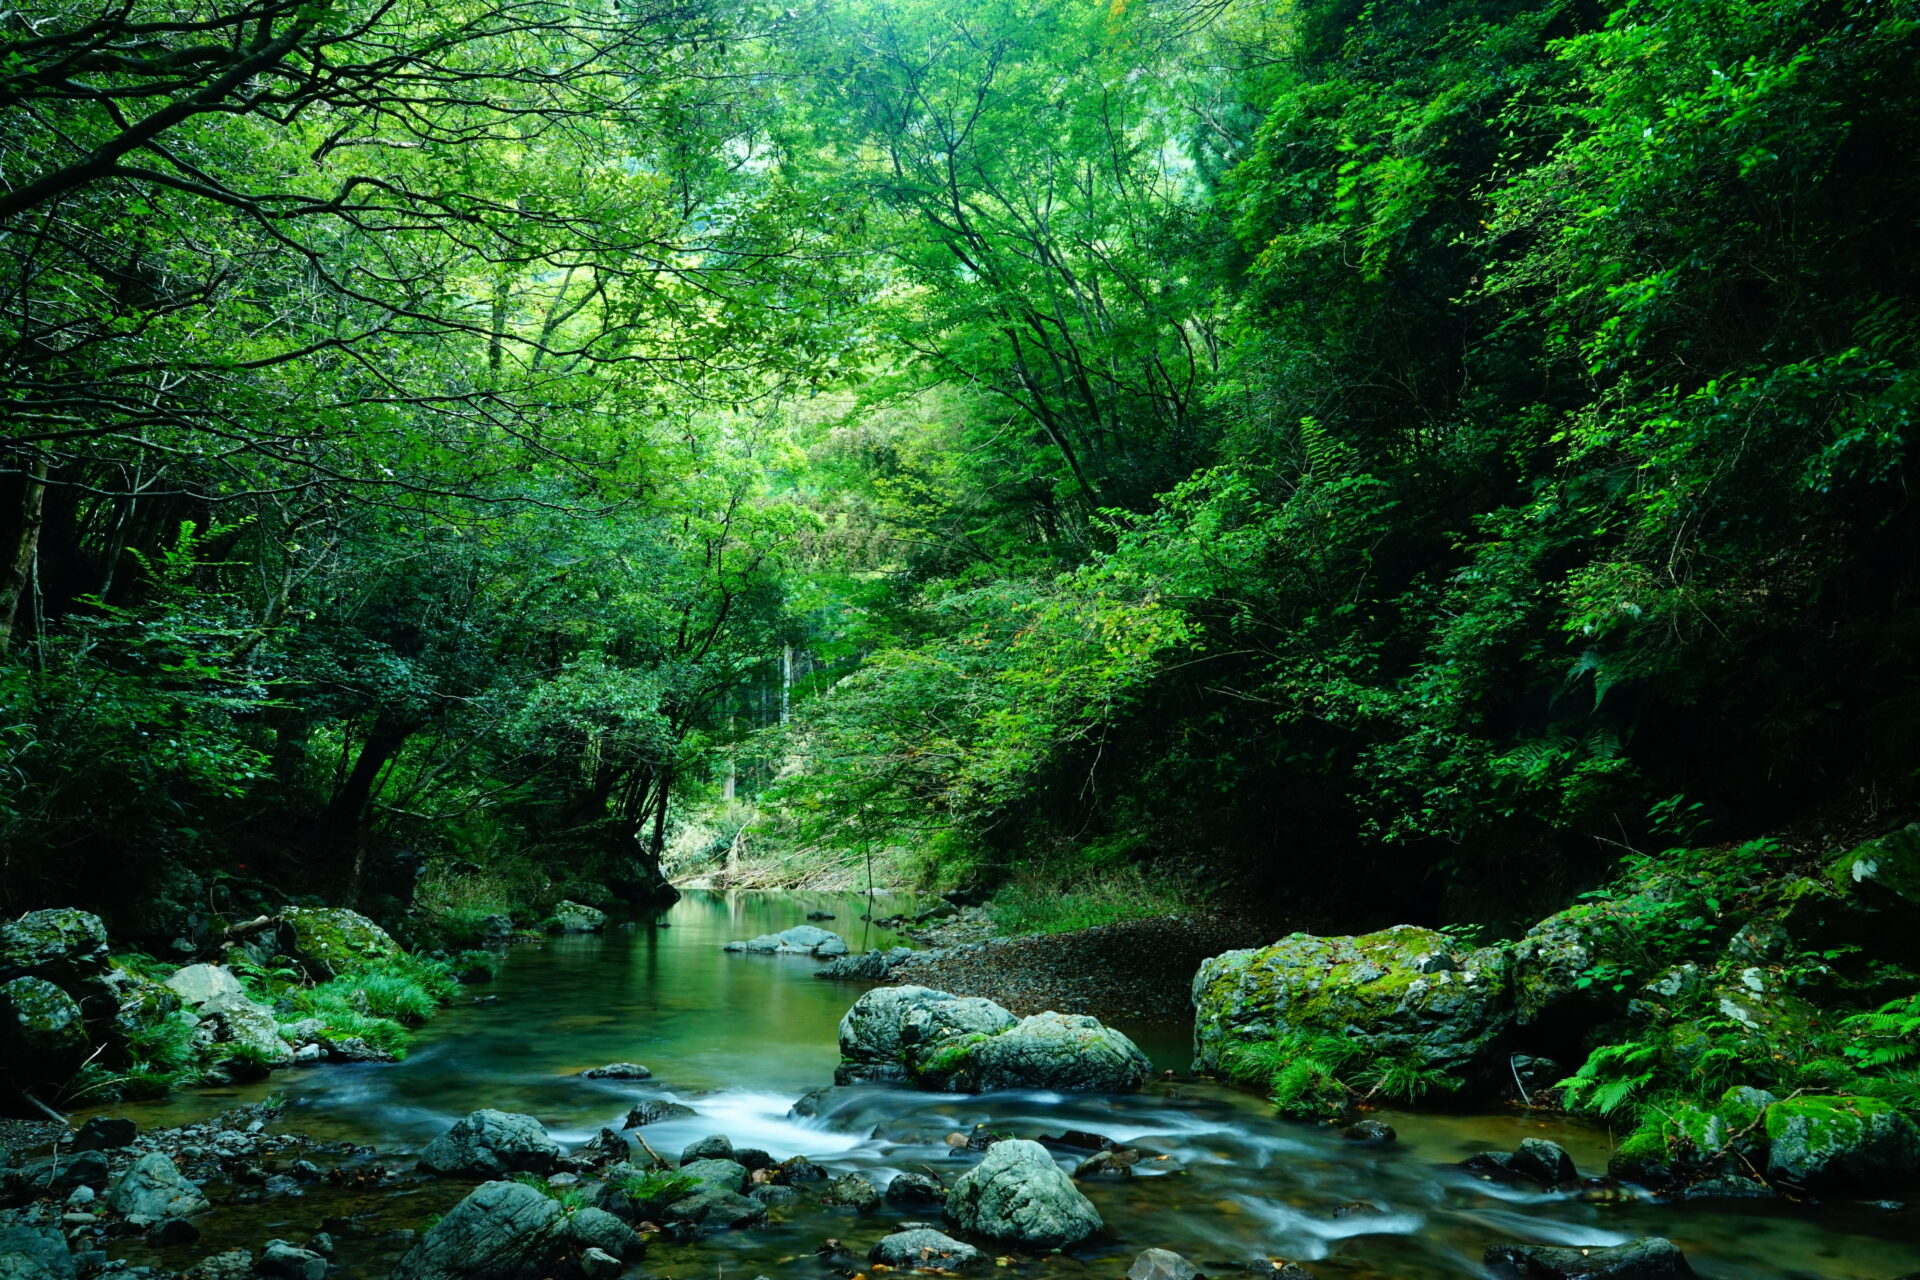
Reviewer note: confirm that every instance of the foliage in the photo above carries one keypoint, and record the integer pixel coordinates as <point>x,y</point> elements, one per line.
<point>1315,1076</point>
<point>1055,900</point>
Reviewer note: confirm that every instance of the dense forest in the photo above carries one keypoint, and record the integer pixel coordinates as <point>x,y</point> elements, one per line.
<point>1466,437</point>
<point>471,470</point>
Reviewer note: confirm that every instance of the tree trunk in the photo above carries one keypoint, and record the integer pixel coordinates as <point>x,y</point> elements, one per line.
<point>21,549</point>
<point>348,808</point>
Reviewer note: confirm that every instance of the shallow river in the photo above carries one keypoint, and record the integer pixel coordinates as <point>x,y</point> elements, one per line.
<point>740,1037</point>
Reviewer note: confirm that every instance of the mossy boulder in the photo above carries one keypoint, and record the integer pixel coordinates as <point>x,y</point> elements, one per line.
<point>42,1032</point>
<point>889,1027</point>
<point>332,941</point>
<point>1018,1195</point>
<point>1406,990</point>
<point>1686,1142</point>
<point>1883,871</point>
<point>60,944</point>
<point>1552,962</point>
<point>576,917</point>
<point>1068,1053</point>
<point>1837,1141</point>
<point>142,1001</point>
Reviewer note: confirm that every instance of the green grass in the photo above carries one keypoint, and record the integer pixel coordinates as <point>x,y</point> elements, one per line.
<point>1317,1076</point>
<point>462,927</point>
<point>1045,900</point>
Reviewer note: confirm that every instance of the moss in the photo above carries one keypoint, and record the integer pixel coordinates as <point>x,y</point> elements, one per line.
<point>946,1060</point>
<point>332,941</point>
<point>1828,1122</point>
<point>1890,862</point>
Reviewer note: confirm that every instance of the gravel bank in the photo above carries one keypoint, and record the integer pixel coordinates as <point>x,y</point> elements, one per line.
<point>1133,969</point>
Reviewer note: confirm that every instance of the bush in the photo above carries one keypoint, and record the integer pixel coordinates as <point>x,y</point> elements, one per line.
<point>1319,1076</point>
<point>1047,900</point>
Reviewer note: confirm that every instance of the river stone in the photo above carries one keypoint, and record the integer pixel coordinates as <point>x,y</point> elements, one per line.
<point>873,966</point>
<point>284,1261</point>
<point>1070,1053</point>
<point>1162,1264</point>
<point>330,941</point>
<point>1544,1162</point>
<point>915,1188</point>
<point>923,1248</point>
<point>716,1175</point>
<point>43,1033</point>
<point>653,1111</point>
<point>488,1142</point>
<point>578,917</point>
<point>619,1071</point>
<point>105,1133</point>
<point>501,1231</point>
<point>254,1028</point>
<point>64,1175</point>
<point>888,1023</point>
<point>34,1253</point>
<point>1018,1195</point>
<point>60,944</point>
<point>1839,1142</point>
<point>802,939</point>
<point>1381,986</point>
<point>152,1188</point>
<point>1649,1258</point>
<point>715,1146</point>
<point>717,1209</point>
<point>853,1191</point>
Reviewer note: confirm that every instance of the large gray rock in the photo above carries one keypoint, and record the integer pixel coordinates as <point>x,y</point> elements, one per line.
<point>578,917</point>
<point>716,1175</point>
<point>1067,1052</point>
<point>59,944</point>
<point>717,1209</point>
<point>213,993</point>
<point>488,1143</point>
<point>206,986</point>
<point>152,1188</point>
<point>804,939</point>
<point>510,1231</point>
<point>1817,1142</point>
<point>887,1024</point>
<point>872,966</point>
<point>283,1261</point>
<point>331,941</point>
<point>1018,1195</point>
<point>923,1248</point>
<point>1405,990</point>
<point>43,1033</point>
<point>34,1253</point>
<point>1649,1258</point>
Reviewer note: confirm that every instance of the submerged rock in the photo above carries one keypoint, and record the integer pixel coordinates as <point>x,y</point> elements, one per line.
<point>1649,1258</point>
<point>802,939</point>
<point>1408,991</point>
<point>1018,1195</point>
<point>619,1071</point>
<point>923,1248</point>
<point>1162,1264</point>
<point>488,1143</point>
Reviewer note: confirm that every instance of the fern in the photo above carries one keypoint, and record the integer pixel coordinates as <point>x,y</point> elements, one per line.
<point>1612,1078</point>
<point>1888,1037</point>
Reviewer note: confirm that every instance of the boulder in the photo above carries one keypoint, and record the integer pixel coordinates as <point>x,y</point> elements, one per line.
<point>619,1071</point>
<point>802,939</point>
<point>1018,1195</point>
<point>1544,1162</point>
<point>501,1231</point>
<point>105,1133</point>
<point>653,1111</point>
<point>923,1248</point>
<point>59,944</point>
<point>853,1191</point>
<point>284,1261</point>
<point>871,966</point>
<point>716,1175</point>
<point>152,1188</point>
<point>888,1023</point>
<point>1065,1052</point>
<point>915,1188</point>
<point>43,1034</point>
<point>80,1173</point>
<point>577,917</point>
<point>140,1001</point>
<point>1407,990</point>
<point>1882,872</point>
<point>488,1143</point>
<point>717,1209</point>
<point>1370,1131</point>
<point>715,1146</point>
<point>1819,1142</point>
<point>1551,962</point>
<point>1162,1264</point>
<point>330,941</point>
<point>206,986</point>
<point>1649,1258</point>
<point>34,1253</point>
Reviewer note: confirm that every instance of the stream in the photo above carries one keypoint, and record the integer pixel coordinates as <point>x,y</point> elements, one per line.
<point>741,1037</point>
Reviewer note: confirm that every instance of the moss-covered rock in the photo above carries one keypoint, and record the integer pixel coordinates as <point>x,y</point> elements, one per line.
<point>142,1001</point>
<point>332,941</point>
<point>1685,1142</point>
<point>1068,1053</point>
<point>1408,991</point>
<point>1552,963</point>
<point>1885,869</point>
<point>576,917</point>
<point>1838,1141</point>
<point>42,1033</point>
<point>59,944</point>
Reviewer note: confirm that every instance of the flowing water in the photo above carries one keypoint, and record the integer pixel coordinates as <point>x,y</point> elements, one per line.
<point>740,1037</point>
